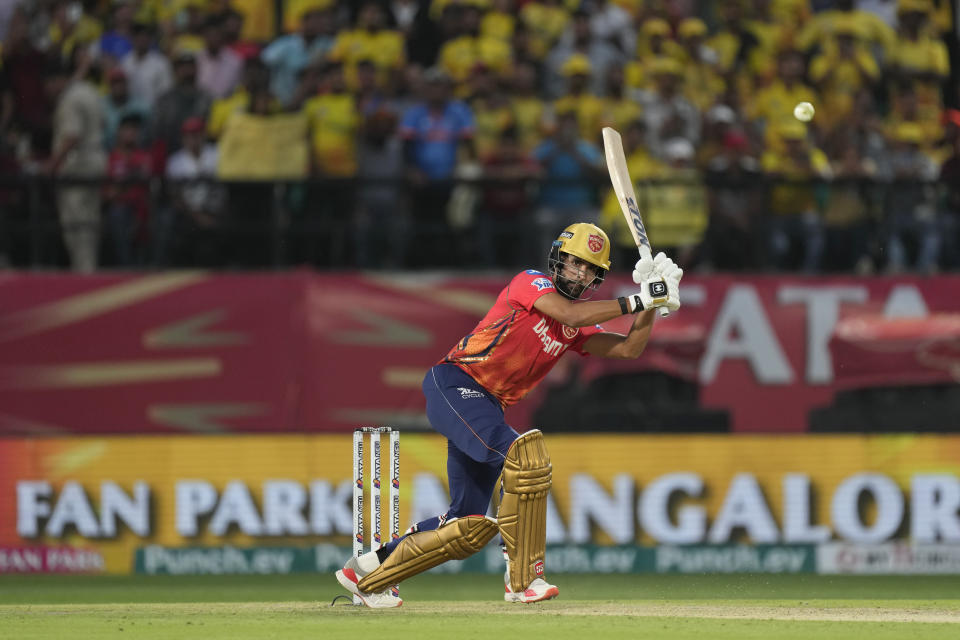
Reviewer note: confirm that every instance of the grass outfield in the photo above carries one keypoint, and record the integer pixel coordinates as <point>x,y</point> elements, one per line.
<point>436,606</point>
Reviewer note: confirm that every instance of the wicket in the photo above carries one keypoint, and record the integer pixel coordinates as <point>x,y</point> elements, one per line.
<point>376,516</point>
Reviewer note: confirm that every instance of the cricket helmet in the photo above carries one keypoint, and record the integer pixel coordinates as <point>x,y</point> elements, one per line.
<point>585,241</point>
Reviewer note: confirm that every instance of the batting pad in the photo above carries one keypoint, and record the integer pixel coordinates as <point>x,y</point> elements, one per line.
<point>527,477</point>
<point>418,552</point>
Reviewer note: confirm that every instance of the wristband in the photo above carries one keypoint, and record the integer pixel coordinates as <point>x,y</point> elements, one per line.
<point>624,309</point>
<point>634,303</point>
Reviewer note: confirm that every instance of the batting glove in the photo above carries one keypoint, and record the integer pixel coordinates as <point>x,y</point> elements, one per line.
<point>666,267</point>
<point>644,269</point>
<point>673,290</point>
<point>655,293</point>
<point>671,274</point>
<point>659,280</point>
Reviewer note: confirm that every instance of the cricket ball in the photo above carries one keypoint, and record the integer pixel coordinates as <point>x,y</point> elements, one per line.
<point>803,112</point>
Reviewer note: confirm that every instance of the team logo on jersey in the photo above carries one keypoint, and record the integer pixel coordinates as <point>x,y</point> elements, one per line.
<point>595,243</point>
<point>542,283</point>
<point>570,332</point>
<point>469,393</point>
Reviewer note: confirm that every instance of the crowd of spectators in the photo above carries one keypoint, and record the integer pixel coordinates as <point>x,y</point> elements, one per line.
<point>466,133</point>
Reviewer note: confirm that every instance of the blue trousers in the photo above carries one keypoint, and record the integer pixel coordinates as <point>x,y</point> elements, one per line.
<point>477,441</point>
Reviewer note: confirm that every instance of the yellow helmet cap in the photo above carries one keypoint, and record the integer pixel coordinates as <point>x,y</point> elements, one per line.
<point>655,27</point>
<point>586,241</point>
<point>916,6</point>
<point>692,27</point>
<point>576,64</point>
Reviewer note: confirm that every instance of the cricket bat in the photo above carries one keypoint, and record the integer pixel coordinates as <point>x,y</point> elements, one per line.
<point>627,197</point>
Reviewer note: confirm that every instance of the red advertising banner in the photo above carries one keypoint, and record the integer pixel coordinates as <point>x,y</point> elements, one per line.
<point>192,352</point>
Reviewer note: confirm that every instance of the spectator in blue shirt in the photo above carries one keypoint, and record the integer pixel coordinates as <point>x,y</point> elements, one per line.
<point>570,166</point>
<point>288,55</point>
<point>435,129</point>
<point>118,41</point>
<point>436,132</point>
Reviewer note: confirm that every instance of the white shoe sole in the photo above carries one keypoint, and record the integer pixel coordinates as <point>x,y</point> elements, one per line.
<point>372,600</point>
<point>549,594</point>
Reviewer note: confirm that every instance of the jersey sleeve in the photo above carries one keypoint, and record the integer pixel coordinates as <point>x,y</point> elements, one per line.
<point>583,335</point>
<point>527,287</point>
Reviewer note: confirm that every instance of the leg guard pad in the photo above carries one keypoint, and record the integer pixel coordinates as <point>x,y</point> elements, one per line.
<point>527,477</point>
<point>418,552</point>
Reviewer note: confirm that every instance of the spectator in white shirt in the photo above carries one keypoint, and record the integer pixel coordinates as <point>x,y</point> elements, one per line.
<point>197,200</point>
<point>668,114</point>
<point>614,24</point>
<point>218,66</point>
<point>148,71</point>
<point>580,38</point>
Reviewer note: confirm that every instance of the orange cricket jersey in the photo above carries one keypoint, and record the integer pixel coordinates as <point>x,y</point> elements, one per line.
<point>515,346</point>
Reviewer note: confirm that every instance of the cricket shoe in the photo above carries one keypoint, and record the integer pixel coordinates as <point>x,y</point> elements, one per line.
<point>349,578</point>
<point>538,591</point>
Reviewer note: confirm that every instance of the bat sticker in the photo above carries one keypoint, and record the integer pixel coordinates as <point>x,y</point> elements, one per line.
<point>637,221</point>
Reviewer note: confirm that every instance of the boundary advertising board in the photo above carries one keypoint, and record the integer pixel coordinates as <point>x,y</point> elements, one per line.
<point>263,502</point>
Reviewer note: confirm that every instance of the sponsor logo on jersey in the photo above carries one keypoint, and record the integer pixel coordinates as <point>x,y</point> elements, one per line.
<point>551,346</point>
<point>595,243</point>
<point>542,283</point>
<point>466,394</point>
<point>570,332</point>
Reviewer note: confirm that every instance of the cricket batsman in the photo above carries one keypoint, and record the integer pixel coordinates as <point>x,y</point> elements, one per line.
<point>536,318</point>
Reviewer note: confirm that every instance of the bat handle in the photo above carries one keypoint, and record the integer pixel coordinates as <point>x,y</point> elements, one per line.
<point>664,312</point>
